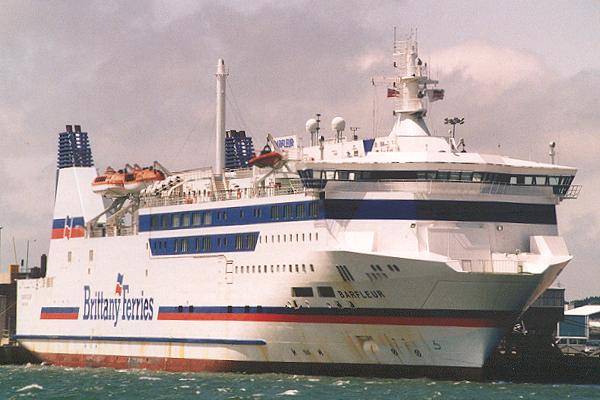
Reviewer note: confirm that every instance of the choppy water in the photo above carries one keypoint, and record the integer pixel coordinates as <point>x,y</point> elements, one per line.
<point>43,382</point>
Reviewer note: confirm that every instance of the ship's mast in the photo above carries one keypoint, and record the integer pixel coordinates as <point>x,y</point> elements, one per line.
<point>221,74</point>
<point>411,87</point>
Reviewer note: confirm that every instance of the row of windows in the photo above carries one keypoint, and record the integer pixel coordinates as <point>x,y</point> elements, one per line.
<point>274,268</point>
<point>310,176</point>
<point>204,244</point>
<point>198,244</point>
<point>290,237</point>
<point>234,215</point>
<point>184,220</point>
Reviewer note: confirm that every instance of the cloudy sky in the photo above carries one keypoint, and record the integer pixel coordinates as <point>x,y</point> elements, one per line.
<point>139,77</point>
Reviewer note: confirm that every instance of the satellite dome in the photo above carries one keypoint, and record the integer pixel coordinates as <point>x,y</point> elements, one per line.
<point>311,125</point>
<point>338,124</point>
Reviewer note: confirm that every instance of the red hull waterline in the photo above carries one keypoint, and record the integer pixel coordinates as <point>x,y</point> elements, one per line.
<point>195,365</point>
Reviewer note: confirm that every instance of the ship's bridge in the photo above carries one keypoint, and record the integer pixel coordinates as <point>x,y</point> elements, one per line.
<point>446,171</point>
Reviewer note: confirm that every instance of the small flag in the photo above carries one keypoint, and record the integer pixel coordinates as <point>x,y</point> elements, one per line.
<point>435,94</point>
<point>119,287</point>
<point>393,93</point>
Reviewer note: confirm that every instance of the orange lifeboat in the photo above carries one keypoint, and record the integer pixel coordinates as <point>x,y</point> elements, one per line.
<point>110,184</point>
<point>141,178</point>
<point>266,158</point>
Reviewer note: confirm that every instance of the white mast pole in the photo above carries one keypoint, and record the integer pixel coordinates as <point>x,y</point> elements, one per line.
<point>221,74</point>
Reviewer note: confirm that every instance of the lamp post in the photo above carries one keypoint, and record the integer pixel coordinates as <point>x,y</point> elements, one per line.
<point>27,258</point>
<point>454,121</point>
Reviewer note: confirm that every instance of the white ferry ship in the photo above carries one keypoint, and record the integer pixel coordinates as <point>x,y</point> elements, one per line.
<point>401,255</point>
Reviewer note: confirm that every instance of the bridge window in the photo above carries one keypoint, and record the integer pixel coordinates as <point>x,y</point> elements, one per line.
<point>154,221</point>
<point>208,218</point>
<point>186,219</point>
<point>165,221</point>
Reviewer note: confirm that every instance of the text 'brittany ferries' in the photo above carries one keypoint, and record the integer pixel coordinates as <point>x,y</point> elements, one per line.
<point>98,307</point>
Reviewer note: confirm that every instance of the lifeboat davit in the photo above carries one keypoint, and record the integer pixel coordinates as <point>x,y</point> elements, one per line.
<point>266,158</point>
<point>141,178</point>
<point>110,184</point>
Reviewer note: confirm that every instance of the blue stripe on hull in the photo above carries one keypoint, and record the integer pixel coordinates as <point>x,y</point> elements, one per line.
<point>367,311</point>
<point>257,342</point>
<point>60,310</point>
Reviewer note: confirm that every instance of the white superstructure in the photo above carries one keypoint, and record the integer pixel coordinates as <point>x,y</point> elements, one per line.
<point>397,255</point>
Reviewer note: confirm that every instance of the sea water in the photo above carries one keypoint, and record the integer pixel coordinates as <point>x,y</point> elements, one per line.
<point>45,382</point>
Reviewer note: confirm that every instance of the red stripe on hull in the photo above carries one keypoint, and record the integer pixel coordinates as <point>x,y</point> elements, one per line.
<point>197,365</point>
<point>337,319</point>
<point>58,315</point>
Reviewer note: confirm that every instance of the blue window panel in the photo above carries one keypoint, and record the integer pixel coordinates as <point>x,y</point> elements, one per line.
<point>222,243</point>
<point>245,215</point>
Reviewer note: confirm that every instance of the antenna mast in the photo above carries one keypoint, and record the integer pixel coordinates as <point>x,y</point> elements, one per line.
<point>410,88</point>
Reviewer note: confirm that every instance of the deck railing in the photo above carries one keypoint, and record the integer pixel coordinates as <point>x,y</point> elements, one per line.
<point>291,187</point>
<point>294,186</point>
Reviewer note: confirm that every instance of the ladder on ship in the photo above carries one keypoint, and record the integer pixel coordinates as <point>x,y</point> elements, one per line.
<point>219,187</point>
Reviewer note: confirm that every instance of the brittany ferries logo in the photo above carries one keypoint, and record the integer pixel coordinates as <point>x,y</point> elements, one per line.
<point>97,306</point>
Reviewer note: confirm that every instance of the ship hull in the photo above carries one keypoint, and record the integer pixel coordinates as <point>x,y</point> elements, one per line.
<point>305,368</point>
<point>312,349</point>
